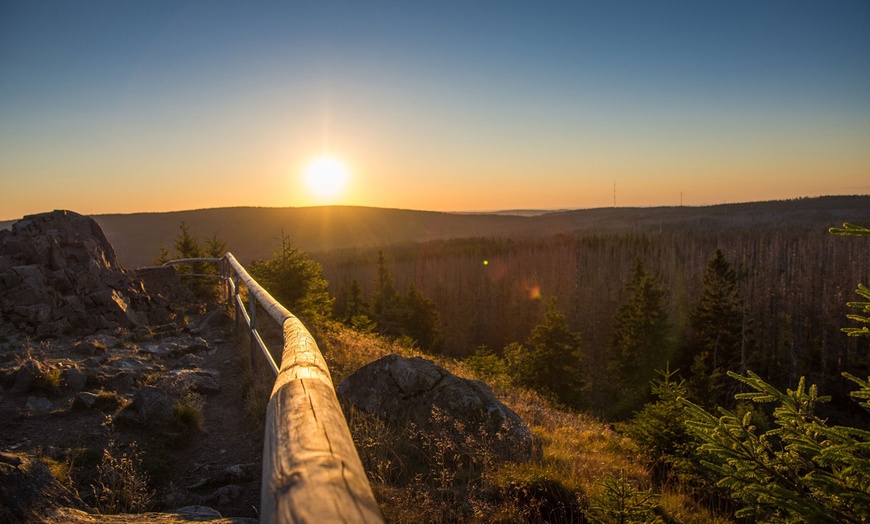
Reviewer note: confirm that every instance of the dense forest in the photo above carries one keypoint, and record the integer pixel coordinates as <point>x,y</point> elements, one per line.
<point>791,286</point>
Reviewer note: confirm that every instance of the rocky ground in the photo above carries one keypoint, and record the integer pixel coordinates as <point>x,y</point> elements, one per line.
<point>127,403</point>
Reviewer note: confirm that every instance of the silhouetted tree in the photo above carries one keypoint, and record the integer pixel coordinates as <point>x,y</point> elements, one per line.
<point>640,342</point>
<point>549,361</point>
<point>421,320</point>
<point>719,328</point>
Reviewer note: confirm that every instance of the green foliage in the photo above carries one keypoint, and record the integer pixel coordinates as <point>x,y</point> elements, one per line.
<point>188,412</point>
<point>863,306</point>
<point>718,321</point>
<point>187,245</point>
<point>549,361</point>
<point>640,342</point>
<point>802,470</point>
<point>295,281</point>
<point>421,320</point>
<point>162,255</point>
<point>410,315</point>
<point>484,363</point>
<point>620,502</point>
<point>659,429</point>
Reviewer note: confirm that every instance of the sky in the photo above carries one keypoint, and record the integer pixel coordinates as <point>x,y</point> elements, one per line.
<point>120,107</point>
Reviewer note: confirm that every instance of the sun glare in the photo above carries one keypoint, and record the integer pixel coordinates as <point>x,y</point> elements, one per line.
<point>326,177</point>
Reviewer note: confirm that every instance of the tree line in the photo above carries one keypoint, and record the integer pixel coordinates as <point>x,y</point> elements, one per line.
<point>779,294</point>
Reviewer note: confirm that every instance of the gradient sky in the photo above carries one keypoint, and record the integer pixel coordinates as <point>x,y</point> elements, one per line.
<point>117,106</point>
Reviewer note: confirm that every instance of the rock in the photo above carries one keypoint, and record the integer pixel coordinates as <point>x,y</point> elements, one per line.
<point>150,405</point>
<point>38,405</point>
<point>190,361</point>
<point>9,458</point>
<point>60,274</point>
<point>214,321</point>
<point>75,379</point>
<point>27,373</point>
<point>402,390</point>
<point>28,491</point>
<point>225,494</point>
<point>180,381</point>
<point>84,400</point>
<point>197,512</point>
<point>164,281</point>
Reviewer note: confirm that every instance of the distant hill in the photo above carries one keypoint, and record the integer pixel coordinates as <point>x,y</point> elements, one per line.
<point>252,232</point>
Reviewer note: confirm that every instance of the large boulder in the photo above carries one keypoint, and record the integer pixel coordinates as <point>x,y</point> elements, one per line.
<point>59,275</point>
<point>415,390</point>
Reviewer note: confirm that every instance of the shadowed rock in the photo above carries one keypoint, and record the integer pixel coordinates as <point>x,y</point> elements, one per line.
<point>59,274</point>
<point>402,390</point>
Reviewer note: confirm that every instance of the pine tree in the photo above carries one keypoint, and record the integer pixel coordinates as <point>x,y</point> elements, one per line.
<point>386,307</point>
<point>162,255</point>
<point>296,282</point>
<point>718,320</point>
<point>549,361</point>
<point>640,342</point>
<point>421,320</point>
<point>802,470</point>
<point>864,291</point>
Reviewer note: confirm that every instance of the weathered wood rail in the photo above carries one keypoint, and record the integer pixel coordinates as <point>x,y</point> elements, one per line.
<point>311,470</point>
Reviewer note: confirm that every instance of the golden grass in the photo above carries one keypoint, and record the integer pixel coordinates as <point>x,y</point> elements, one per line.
<point>579,452</point>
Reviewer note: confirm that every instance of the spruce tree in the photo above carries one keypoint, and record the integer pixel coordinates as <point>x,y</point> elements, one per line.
<point>718,327</point>
<point>803,470</point>
<point>386,306</point>
<point>421,319</point>
<point>640,342</point>
<point>549,361</point>
<point>864,291</point>
<point>295,281</point>
<point>718,319</point>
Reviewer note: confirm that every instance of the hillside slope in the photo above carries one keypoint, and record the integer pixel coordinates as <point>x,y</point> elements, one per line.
<point>252,232</point>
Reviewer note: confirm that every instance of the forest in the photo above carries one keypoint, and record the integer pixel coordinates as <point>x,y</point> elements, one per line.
<point>790,290</point>
<point>701,356</point>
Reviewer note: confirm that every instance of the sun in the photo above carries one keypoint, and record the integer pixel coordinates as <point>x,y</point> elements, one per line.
<point>326,178</point>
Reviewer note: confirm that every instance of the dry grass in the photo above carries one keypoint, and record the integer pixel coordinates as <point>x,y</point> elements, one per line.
<point>429,478</point>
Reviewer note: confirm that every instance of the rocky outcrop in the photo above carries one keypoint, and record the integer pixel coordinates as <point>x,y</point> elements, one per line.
<point>59,275</point>
<point>415,390</point>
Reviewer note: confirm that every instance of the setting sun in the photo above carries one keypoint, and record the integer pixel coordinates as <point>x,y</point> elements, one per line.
<point>326,177</point>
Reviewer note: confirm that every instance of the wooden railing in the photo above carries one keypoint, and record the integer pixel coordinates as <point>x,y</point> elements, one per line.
<point>311,469</point>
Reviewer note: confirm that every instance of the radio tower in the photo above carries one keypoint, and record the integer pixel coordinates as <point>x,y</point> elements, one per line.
<point>614,194</point>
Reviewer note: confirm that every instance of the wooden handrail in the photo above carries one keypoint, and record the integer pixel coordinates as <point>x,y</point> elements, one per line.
<point>311,469</point>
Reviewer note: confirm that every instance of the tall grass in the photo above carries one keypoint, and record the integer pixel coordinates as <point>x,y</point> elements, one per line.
<point>436,477</point>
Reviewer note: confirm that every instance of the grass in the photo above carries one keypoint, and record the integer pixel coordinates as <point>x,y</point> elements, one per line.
<point>433,478</point>
<point>188,412</point>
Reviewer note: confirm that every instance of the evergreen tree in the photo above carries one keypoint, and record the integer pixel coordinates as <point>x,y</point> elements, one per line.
<point>803,470</point>
<point>186,244</point>
<point>162,256</point>
<point>640,342</point>
<point>214,247</point>
<point>296,282</point>
<point>549,361</point>
<point>421,320</point>
<point>864,291</point>
<point>718,320</point>
<point>386,303</point>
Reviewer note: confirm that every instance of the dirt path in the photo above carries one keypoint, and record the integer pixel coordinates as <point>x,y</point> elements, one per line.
<point>218,466</point>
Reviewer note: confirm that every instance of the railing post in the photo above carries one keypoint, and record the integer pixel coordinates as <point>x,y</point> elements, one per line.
<point>252,313</point>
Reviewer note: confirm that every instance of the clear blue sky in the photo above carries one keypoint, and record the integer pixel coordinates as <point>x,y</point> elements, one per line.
<point>148,106</point>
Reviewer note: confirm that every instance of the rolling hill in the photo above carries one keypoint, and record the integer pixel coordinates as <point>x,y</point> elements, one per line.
<point>252,232</point>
